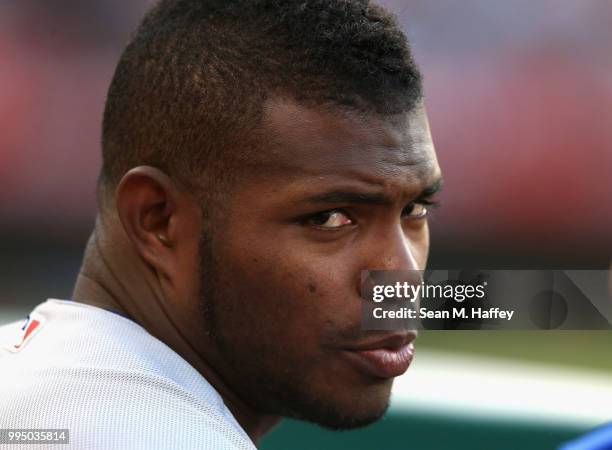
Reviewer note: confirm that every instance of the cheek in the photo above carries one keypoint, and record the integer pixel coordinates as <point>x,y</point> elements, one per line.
<point>288,299</point>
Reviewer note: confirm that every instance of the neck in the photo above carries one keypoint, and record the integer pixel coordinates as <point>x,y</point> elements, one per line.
<point>114,277</point>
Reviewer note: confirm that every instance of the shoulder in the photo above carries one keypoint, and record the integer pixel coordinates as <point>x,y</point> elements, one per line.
<point>109,408</point>
<point>111,384</point>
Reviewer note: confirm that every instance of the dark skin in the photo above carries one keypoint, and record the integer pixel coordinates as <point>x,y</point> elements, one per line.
<point>267,310</point>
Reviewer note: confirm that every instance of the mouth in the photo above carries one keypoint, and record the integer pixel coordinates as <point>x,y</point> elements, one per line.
<point>384,358</point>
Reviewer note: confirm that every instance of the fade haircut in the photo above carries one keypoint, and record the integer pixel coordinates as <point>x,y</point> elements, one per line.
<point>188,92</point>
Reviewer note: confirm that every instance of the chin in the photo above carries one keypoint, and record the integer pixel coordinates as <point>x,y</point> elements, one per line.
<point>335,419</point>
<point>354,411</point>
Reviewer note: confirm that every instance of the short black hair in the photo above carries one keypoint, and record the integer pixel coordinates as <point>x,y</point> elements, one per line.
<point>189,88</point>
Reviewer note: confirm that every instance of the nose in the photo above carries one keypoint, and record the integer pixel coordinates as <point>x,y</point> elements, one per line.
<point>393,251</point>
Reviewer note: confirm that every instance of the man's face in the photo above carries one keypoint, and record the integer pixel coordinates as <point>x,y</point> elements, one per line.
<point>334,194</point>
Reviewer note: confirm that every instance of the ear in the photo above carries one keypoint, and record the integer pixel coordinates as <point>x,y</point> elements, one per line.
<point>155,215</point>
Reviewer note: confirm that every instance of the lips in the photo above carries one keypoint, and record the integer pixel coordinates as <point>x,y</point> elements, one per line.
<point>384,358</point>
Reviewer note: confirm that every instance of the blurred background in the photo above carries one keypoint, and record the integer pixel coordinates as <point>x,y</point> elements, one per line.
<point>519,96</point>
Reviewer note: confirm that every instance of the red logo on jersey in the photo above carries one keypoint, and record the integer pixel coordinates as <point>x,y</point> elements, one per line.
<point>29,327</point>
<point>32,326</point>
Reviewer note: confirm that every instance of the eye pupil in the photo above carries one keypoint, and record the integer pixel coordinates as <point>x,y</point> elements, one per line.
<point>321,218</point>
<point>330,219</point>
<point>414,210</point>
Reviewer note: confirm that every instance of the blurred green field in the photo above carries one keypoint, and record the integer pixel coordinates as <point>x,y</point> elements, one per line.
<point>422,432</point>
<point>576,349</point>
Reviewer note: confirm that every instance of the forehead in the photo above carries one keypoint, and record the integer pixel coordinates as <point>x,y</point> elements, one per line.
<point>310,147</point>
<point>330,141</point>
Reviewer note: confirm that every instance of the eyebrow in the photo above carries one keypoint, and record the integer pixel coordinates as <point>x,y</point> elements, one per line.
<point>372,198</point>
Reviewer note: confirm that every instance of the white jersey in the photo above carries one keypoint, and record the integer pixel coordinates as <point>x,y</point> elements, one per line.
<point>109,382</point>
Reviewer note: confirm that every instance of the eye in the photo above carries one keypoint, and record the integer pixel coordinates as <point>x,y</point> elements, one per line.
<point>415,210</point>
<point>332,219</point>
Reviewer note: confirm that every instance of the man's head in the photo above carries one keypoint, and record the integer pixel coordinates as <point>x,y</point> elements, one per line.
<point>189,91</point>
<point>260,155</point>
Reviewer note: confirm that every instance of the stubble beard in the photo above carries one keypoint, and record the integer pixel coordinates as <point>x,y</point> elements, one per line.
<point>269,391</point>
